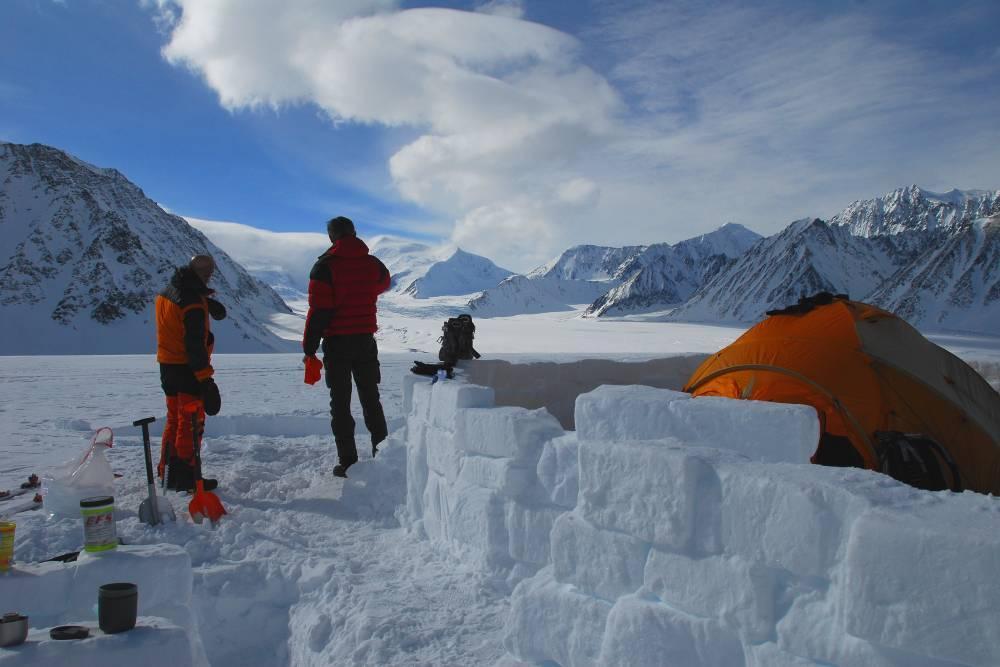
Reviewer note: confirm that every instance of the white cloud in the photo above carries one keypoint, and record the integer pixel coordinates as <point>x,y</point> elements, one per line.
<point>513,9</point>
<point>710,112</point>
<point>503,104</point>
<point>260,250</point>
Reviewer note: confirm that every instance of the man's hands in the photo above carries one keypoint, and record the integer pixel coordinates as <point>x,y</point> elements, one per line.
<point>210,397</point>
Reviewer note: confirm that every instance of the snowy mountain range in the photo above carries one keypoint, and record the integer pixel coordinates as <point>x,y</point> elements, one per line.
<point>933,259</point>
<point>617,281</point>
<point>84,254</point>
<point>85,251</point>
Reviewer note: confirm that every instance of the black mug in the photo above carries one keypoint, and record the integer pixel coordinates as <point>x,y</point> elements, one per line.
<point>117,607</point>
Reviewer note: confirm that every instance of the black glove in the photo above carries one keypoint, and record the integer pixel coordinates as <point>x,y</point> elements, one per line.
<point>216,309</point>
<point>210,397</point>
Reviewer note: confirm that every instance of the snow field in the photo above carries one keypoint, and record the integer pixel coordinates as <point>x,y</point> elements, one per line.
<point>306,569</point>
<point>760,563</point>
<point>698,535</point>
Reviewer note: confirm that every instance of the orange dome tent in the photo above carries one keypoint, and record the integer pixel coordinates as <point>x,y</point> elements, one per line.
<point>867,373</point>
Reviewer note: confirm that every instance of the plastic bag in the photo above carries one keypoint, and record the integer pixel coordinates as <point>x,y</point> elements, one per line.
<point>80,478</point>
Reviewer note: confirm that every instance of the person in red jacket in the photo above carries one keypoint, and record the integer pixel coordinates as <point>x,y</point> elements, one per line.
<point>344,285</point>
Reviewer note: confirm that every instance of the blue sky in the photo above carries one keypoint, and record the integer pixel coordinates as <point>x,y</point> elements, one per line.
<point>512,128</point>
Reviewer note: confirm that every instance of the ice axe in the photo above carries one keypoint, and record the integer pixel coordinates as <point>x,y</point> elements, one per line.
<point>204,503</point>
<point>154,509</point>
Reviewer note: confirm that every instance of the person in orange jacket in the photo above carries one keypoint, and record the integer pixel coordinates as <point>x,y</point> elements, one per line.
<point>184,344</point>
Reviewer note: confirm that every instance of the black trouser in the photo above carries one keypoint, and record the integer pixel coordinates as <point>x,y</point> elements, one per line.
<point>344,356</point>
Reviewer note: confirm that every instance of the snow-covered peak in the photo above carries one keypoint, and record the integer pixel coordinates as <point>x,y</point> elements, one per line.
<point>587,262</point>
<point>807,257</point>
<point>664,275</point>
<point>460,273</point>
<point>915,209</point>
<point>85,253</point>
<point>731,240</point>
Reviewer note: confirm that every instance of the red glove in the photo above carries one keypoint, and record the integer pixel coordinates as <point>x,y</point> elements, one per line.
<point>313,368</point>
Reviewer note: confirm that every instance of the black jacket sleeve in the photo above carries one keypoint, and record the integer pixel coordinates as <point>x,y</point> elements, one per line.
<point>194,343</point>
<point>320,310</point>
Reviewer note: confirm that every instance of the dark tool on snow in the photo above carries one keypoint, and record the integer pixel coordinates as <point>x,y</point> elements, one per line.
<point>204,503</point>
<point>155,509</point>
<point>69,632</point>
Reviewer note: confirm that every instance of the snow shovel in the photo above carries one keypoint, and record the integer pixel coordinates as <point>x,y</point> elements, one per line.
<point>154,509</point>
<point>204,503</point>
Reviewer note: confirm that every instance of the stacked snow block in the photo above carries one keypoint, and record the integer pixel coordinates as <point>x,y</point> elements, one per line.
<point>740,553</point>
<point>472,475</point>
<point>162,573</point>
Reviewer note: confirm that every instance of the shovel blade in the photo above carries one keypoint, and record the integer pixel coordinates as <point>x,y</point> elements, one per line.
<point>146,514</point>
<point>165,509</point>
<point>206,504</point>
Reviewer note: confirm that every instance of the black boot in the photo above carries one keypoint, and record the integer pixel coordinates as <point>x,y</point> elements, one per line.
<point>180,477</point>
<point>340,470</point>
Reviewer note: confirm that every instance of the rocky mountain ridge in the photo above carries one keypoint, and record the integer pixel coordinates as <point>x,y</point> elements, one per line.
<point>85,252</point>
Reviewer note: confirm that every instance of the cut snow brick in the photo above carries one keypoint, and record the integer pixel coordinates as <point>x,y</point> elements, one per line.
<point>599,562</point>
<point>529,530</point>
<point>769,655</point>
<point>154,642</point>
<point>793,517</point>
<point>467,519</point>
<point>409,382</point>
<point>640,633</point>
<point>507,432</point>
<point>450,396</point>
<point>925,580</point>
<point>498,474</point>
<point>558,470</point>
<point>416,469</point>
<point>549,621</point>
<point>649,490</point>
<point>630,412</point>
<point>420,401</point>
<point>760,430</point>
<point>732,590</point>
<point>161,571</point>
<point>443,455</point>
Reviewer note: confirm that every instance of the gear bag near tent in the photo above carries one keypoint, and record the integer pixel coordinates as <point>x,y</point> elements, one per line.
<point>888,399</point>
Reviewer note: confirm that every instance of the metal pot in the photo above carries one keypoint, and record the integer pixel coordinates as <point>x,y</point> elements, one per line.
<point>13,629</point>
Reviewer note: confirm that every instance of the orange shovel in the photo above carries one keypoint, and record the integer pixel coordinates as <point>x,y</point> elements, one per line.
<point>203,503</point>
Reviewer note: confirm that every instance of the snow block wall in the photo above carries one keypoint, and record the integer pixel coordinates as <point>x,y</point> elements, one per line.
<point>669,530</point>
<point>473,475</point>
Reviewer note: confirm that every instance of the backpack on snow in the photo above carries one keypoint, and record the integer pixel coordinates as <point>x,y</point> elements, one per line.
<point>917,460</point>
<point>456,340</point>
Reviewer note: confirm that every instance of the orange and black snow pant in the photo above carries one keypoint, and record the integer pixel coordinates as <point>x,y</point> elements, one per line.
<point>183,393</point>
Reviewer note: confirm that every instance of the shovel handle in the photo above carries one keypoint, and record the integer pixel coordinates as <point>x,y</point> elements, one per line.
<point>144,423</point>
<point>154,510</point>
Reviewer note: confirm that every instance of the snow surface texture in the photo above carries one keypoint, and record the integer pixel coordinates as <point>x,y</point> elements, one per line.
<point>697,535</point>
<point>311,570</point>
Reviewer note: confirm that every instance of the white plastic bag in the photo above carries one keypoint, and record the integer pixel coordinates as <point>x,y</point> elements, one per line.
<point>80,478</point>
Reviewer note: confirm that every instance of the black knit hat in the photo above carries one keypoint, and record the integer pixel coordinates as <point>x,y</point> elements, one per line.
<point>340,226</point>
